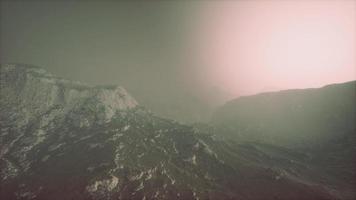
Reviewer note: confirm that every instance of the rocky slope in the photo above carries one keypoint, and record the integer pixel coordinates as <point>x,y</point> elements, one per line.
<point>299,118</point>
<point>66,140</point>
<point>317,122</point>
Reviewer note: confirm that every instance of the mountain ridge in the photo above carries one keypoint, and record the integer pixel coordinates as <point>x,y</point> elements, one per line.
<point>301,111</point>
<point>80,143</point>
<point>29,87</point>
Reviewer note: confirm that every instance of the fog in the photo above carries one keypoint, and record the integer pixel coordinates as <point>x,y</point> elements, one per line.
<point>141,46</point>
<point>183,59</point>
<point>132,44</point>
<point>181,99</point>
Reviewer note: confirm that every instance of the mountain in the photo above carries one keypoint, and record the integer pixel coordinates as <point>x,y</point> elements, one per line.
<point>319,123</point>
<point>62,139</point>
<point>185,104</point>
<point>182,106</point>
<point>298,118</point>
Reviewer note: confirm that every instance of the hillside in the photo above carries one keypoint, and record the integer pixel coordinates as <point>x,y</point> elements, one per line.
<point>62,139</point>
<point>294,118</point>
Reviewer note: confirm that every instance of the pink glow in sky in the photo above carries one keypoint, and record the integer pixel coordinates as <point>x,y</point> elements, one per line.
<point>247,47</point>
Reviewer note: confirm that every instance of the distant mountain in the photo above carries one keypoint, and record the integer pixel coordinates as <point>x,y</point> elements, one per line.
<point>62,139</point>
<point>183,107</point>
<point>184,104</point>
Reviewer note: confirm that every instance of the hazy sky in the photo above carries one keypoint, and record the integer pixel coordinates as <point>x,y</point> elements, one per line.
<point>253,46</point>
<point>162,48</point>
<point>134,44</point>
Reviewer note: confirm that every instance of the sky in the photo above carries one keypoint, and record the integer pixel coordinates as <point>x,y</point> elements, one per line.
<point>99,42</point>
<point>249,47</point>
<point>167,51</point>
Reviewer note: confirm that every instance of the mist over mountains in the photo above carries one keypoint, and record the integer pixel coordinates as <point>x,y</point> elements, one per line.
<point>62,139</point>
<point>300,118</point>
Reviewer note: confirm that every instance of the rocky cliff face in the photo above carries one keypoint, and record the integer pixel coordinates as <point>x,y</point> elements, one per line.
<point>38,94</point>
<point>62,139</point>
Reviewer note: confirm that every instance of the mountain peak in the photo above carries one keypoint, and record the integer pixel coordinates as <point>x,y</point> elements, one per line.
<point>38,91</point>
<point>113,100</point>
